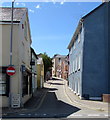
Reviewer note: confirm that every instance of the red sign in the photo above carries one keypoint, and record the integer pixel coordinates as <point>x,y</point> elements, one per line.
<point>10,71</point>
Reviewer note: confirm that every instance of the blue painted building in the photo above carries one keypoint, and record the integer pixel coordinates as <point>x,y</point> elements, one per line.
<point>88,54</point>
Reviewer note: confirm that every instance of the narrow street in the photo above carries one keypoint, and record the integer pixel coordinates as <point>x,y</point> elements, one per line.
<point>56,104</point>
<point>54,60</point>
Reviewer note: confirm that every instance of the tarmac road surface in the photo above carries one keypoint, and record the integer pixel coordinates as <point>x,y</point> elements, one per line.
<point>56,104</point>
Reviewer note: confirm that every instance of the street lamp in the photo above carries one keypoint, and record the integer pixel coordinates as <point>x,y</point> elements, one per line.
<point>11,45</point>
<point>11,36</point>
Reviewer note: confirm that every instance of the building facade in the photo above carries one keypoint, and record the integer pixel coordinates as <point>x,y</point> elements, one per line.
<point>17,89</point>
<point>40,72</point>
<point>60,66</point>
<point>88,54</point>
<point>34,59</point>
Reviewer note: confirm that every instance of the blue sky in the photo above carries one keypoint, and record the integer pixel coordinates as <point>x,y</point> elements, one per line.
<point>53,24</point>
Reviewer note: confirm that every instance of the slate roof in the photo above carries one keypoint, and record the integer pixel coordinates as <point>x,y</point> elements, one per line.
<point>32,50</point>
<point>5,14</point>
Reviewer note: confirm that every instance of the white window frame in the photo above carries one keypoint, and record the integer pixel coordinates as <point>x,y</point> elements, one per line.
<point>76,64</point>
<point>73,66</point>
<point>79,37</point>
<point>69,69</point>
<point>25,30</point>
<point>79,62</point>
<point>3,84</point>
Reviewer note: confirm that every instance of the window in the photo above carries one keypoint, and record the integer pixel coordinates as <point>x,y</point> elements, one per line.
<point>25,85</point>
<point>79,62</point>
<point>22,26</point>
<point>74,45</point>
<point>2,83</point>
<point>79,37</point>
<point>66,67</point>
<point>73,66</point>
<point>59,60</point>
<point>23,43</point>
<point>69,69</point>
<point>76,64</point>
<point>25,31</point>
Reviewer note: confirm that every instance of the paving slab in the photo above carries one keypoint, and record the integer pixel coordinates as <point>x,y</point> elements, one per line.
<point>97,105</point>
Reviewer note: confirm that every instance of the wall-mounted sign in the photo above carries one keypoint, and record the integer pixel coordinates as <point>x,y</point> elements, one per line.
<point>15,101</point>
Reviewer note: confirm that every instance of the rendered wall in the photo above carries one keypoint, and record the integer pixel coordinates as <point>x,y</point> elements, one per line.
<point>95,55</point>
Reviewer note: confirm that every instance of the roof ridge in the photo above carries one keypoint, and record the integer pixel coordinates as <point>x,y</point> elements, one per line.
<point>14,7</point>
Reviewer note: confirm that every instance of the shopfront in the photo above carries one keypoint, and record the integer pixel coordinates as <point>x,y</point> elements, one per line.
<point>26,89</point>
<point>26,84</point>
<point>4,82</point>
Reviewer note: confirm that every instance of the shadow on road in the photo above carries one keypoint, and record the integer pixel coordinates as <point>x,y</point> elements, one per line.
<point>54,108</point>
<point>50,106</point>
<point>57,79</point>
<point>50,89</point>
<point>33,102</point>
<point>55,83</point>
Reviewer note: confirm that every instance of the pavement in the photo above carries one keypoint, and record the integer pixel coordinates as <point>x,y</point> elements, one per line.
<point>91,104</point>
<point>32,103</point>
<point>57,100</point>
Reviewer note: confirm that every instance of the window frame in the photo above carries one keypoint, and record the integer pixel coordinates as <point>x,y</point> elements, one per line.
<point>73,66</point>
<point>3,71</point>
<point>79,37</point>
<point>27,83</point>
<point>25,30</point>
<point>79,62</point>
<point>76,64</point>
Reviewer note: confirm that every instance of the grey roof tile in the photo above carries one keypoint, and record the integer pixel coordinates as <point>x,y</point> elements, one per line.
<point>5,14</point>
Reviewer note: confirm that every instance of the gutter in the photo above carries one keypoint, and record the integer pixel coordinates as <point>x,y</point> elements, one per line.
<point>9,23</point>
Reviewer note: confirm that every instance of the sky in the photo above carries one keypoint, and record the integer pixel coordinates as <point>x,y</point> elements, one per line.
<point>53,24</point>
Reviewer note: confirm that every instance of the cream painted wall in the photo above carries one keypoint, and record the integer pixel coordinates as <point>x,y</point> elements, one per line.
<point>6,44</point>
<point>40,75</point>
<point>21,54</point>
<point>6,57</point>
<point>24,45</point>
<point>24,53</point>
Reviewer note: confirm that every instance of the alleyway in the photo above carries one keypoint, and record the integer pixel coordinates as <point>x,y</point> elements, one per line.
<point>55,103</point>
